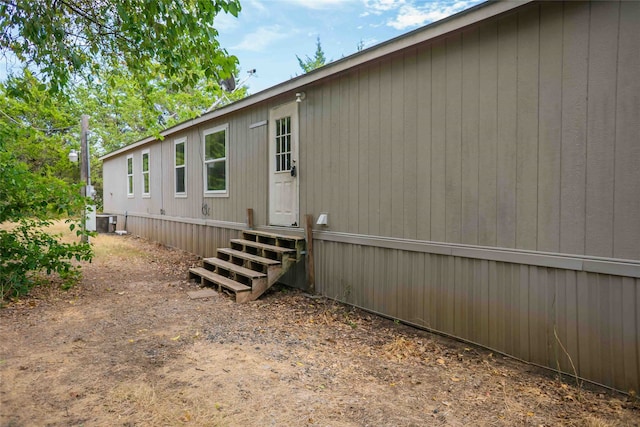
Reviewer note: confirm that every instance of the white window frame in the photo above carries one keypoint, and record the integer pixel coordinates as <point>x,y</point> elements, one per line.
<point>216,193</point>
<point>177,194</point>
<point>146,194</point>
<point>130,176</point>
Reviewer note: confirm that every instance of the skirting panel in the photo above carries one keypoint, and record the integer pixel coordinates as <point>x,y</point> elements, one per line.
<point>548,316</point>
<point>200,239</point>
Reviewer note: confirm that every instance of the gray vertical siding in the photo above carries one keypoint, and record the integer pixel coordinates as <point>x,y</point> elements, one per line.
<point>626,221</point>
<point>550,127</point>
<point>438,142</point>
<point>600,146</point>
<point>487,134</point>
<point>527,103</point>
<point>507,131</point>
<point>574,120</point>
<point>520,132</point>
<point>529,312</point>
<point>248,186</point>
<point>470,136</point>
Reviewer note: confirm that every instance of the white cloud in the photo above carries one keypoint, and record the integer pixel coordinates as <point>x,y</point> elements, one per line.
<point>319,4</point>
<point>260,39</point>
<point>250,9</point>
<point>414,16</point>
<point>380,6</point>
<point>409,16</point>
<point>255,5</point>
<point>225,22</point>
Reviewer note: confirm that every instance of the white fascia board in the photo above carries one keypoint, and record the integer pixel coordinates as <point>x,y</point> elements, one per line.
<point>455,22</point>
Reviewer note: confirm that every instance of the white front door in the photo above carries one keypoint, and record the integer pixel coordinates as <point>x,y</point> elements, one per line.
<point>283,173</point>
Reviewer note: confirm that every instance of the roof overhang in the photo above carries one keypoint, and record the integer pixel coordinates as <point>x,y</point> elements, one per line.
<point>432,31</point>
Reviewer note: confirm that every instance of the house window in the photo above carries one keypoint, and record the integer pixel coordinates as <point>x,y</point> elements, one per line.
<point>130,176</point>
<point>180,167</point>
<point>146,192</point>
<point>216,167</point>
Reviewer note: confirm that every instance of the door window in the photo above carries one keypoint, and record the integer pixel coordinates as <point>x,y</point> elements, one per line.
<point>283,144</point>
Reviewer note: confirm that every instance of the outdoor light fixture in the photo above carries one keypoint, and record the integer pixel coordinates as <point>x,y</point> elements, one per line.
<point>300,96</point>
<point>323,219</point>
<point>73,156</point>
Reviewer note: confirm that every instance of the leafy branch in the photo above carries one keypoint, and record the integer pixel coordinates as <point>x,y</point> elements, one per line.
<point>68,38</point>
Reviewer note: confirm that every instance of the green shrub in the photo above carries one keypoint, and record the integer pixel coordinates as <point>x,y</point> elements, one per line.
<point>27,250</point>
<point>27,202</point>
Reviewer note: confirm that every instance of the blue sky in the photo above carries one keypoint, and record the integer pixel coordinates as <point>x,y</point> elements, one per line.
<point>268,34</point>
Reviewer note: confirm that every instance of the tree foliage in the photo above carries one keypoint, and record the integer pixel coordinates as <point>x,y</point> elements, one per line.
<point>63,38</point>
<point>123,110</point>
<point>38,127</point>
<point>318,60</point>
<point>27,248</point>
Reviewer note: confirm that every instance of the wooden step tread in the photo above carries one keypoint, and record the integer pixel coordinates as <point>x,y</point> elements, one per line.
<point>274,235</point>
<point>262,246</point>
<point>225,282</point>
<point>235,268</point>
<point>250,257</point>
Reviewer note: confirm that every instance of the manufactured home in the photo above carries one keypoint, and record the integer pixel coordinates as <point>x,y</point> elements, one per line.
<point>478,177</point>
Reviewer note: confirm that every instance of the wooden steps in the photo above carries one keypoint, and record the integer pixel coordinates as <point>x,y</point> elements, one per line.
<point>261,249</point>
<point>230,267</point>
<point>213,278</point>
<point>252,265</point>
<point>233,255</point>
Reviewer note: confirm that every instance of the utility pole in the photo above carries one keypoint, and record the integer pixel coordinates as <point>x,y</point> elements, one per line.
<point>89,221</point>
<point>84,155</point>
<point>86,190</point>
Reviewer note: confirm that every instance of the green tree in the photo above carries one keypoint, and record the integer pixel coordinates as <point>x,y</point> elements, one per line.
<point>26,248</point>
<point>65,38</point>
<point>124,110</point>
<point>35,177</point>
<point>318,60</point>
<point>38,127</point>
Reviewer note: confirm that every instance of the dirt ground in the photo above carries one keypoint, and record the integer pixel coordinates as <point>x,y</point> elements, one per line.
<point>128,347</point>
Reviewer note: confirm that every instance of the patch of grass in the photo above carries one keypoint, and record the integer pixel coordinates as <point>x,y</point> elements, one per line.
<point>59,228</point>
<point>139,401</point>
<point>112,246</point>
